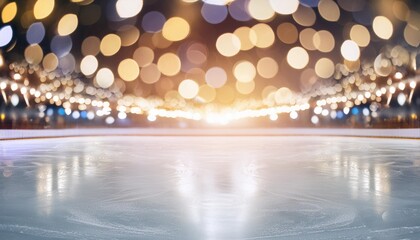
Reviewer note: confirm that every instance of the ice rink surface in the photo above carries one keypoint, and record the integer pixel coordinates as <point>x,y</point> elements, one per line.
<point>210,188</point>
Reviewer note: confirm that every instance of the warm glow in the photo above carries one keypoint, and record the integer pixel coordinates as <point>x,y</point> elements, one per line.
<point>89,65</point>
<point>43,8</point>
<point>34,54</point>
<point>247,36</point>
<point>188,89</point>
<point>298,58</point>
<point>324,68</point>
<point>265,35</point>
<point>9,12</point>
<point>104,78</point>
<point>383,27</point>
<point>90,46</point>
<point>245,87</point>
<point>110,44</point>
<point>244,71</point>
<point>128,70</point>
<point>67,25</point>
<point>150,74</point>
<point>323,41</point>
<point>350,50</point>
<point>206,93</point>
<point>169,64</point>
<point>50,62</point>
<point>129,8</point>
<point>260,9</point>
<point>360,34</point>
<point>329,10</point>
<point>176,29</point>
<point>228,44</point>
<point>267,67</point>
<point>284,7</point>
<point>216,77</point>
<point>287,33</point>
<point>144,56</point>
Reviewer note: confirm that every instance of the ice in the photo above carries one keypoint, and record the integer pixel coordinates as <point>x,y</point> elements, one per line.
<point>210,188</point>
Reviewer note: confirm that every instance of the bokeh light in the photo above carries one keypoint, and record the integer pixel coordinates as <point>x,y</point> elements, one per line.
<point>89,65</point>
<point>350,50</point>
<point>129,8</point>
<point>67,24</point>
<point>169,64</point>
<point>383,27</point>
<point>110,44</point>
<point>128,70</point>
<point>216,77</point>
<point>176,29</point>
<point>244,71</point>
<point>9,12</point>
<point>195,59</point>
<point>188,89</point>
<point>43,8</point>
<point>104,78</point>
<point>228,44</point>
<point>298,58</point>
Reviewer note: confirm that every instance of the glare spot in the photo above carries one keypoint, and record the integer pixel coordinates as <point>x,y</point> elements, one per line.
<point>67,24</point>
<point>128,8</point>
<point>284,7</point>
<point>297,58</point>
<point>315,120</point>
<point>382,27</point>
<point>109,120</point>
<point>176,29</point>
<point>260,9</point>
<point>6,34</point>
<point>43,8</point>
<point>228,44</point>
<point>244,71</point>
<point>188,89</point>
<point>105,78</point>
<point>9,12</point>
<point>350,50</point>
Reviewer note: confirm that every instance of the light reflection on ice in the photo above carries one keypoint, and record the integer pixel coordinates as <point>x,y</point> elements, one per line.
<point>210,188</point>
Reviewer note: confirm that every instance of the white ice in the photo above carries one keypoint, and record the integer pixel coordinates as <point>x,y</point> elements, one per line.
<point>210,188</point>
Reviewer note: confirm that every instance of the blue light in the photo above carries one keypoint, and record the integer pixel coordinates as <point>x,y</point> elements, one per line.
<point>83,114</point>
<point>340,114</point>
<point>61,112</point>
<point>355,111</point>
